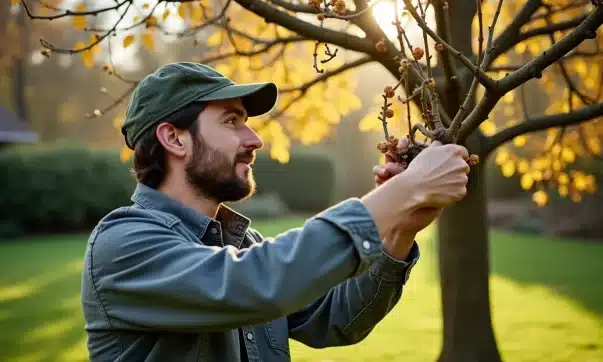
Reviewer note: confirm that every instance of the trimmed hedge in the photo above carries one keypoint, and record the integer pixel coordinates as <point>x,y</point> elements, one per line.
<point>306,183</point>
<point>69,188</point>
<point>61,189</point>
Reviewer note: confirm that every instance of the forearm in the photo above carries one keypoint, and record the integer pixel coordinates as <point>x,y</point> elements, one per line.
<point>350,311</point>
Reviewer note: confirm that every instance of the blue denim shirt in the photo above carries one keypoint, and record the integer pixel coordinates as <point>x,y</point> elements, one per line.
<point>162,282</point>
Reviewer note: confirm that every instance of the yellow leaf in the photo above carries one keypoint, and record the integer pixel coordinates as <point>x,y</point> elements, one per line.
<point>520,141</point>
<point>88,58</point>
<point>563,178</point>
<point>79,21</point>
<point>523,166</point>
<point>568,155</point>
<point>148,41</point>
<point>128,40</point>
<point>540,197</point>
<point>184,10</point>
<point>15,2</point>
<point>145,6</point>
<point>488,127</point>
<point>563,190</point>
<point>215,39</point>
<point>594,144</point>
<point>508,168</point>
<point>502,156</point>
<point>165,15</point>
<point>527,181</point>
<point>509,97</point>
<point>79,45</point>
<point>576,197</point>
<point>125,154</point>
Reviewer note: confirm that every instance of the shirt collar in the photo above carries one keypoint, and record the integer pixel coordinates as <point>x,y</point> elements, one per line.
<point>226,218</point>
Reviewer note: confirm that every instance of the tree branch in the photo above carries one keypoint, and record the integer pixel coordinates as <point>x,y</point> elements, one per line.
<point>303,28</point>
<point>564,25</point>
<point>442,16</point>
<point>534,68</point>
<point>485,80</point>
<point>508,38</point>
<point>541,123</point>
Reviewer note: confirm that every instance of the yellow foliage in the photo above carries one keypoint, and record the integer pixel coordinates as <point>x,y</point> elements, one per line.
<point>520,141</point>
<point>508,168</point>
<point>79,22</point>
<point>148,41</point>
<point>128,40</point>
<point>540,197</point>
<point>125,154</point>
<point>488,127</point>
<point>15,2</point>
<point>526,181</point>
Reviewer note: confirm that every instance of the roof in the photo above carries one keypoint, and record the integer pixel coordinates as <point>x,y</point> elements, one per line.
<point>14,130</point>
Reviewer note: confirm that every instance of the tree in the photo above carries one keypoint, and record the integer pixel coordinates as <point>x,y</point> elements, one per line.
<point>448,84</point>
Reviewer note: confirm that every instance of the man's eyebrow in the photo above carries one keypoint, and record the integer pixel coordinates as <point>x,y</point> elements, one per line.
<point>236,110</point>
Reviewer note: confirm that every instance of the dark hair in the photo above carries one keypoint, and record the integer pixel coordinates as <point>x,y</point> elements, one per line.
<point>149,155</point>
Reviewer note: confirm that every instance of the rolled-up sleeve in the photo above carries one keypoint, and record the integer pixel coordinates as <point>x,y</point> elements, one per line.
<point>147,276</point>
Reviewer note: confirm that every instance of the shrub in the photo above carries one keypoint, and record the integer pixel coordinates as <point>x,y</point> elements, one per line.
<point>59,189</point>
<point>51,189</point>
<point>304,184</point>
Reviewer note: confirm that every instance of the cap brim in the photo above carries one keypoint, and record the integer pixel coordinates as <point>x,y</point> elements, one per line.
<point>257,98</point>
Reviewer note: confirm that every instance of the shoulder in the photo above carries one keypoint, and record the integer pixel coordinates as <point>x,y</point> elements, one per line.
<point>129,231</point>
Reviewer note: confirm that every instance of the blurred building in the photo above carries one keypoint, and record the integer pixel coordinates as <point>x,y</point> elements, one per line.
<point>14,130</point>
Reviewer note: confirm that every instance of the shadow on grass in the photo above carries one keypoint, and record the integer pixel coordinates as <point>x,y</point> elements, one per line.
<point>40,309</point>
<point>569,267</point>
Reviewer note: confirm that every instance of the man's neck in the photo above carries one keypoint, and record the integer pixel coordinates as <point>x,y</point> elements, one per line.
<point>181,191</point>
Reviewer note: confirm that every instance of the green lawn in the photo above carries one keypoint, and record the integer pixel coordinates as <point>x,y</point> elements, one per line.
<point>547,298</point>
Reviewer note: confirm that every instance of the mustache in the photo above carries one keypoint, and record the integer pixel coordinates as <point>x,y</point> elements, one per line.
<point>246,156</point>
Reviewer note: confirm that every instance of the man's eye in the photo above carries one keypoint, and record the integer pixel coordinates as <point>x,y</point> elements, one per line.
<point>231,120</point>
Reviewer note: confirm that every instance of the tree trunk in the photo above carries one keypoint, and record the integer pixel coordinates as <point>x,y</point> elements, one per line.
<point>19,72</point>
<point>464,272</point>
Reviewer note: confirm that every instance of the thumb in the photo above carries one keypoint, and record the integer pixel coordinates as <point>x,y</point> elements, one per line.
<point>435,143</point>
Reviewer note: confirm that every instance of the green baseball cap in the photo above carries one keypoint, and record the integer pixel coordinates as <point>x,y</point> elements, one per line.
<point>175,85</point>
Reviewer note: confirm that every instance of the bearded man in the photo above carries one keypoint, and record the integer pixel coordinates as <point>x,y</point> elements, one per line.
<point>179,277</point>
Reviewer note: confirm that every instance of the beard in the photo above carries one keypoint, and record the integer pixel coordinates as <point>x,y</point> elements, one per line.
<point>214,175</point>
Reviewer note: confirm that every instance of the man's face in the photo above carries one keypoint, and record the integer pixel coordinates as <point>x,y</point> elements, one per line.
<point>223,150</point>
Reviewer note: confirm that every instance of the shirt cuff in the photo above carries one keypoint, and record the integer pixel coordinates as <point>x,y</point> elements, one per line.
<point>393,270</point>
<point>352,217</point>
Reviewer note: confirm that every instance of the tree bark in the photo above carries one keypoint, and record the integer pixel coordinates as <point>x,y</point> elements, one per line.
<point>464,271</point>
<point>19,72</point>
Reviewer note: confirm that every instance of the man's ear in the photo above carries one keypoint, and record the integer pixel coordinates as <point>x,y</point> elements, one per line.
<point>172,139</point>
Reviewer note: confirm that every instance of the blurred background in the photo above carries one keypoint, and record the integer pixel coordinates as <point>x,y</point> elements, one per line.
<point>63,169</point>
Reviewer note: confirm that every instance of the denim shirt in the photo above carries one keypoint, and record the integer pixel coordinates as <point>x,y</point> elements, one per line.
<point>162,282</point>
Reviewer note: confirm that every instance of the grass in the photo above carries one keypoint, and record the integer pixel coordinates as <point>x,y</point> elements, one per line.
<point>547,303</point>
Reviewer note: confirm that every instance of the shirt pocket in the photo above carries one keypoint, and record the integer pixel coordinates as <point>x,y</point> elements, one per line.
<point>277,332</point>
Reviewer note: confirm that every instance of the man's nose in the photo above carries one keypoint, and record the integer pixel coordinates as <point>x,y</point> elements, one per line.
<point>252,140</point>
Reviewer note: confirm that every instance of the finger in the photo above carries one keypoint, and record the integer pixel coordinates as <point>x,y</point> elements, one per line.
<point>393,168</point>
<point>403,143</point>
<point>381,172</point>
<point>462,151</point>
<point>390,157</point>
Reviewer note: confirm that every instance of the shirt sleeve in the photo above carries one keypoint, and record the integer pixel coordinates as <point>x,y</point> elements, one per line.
<point>350,311</point>
<point>147,276</point>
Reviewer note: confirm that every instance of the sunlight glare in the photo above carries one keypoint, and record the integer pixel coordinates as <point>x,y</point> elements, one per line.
<point>384,14</point>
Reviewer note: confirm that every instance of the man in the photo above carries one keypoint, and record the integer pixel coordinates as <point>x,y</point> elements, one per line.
<point>177,276</point>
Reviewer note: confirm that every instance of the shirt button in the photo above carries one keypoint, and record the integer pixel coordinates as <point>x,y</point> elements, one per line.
<point>249,336</point>
<point>366,244</point>
<point>214,231</point>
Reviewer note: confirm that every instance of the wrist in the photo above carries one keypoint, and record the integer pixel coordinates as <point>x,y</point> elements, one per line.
<point>389,203</point>
<point>398,244</point>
